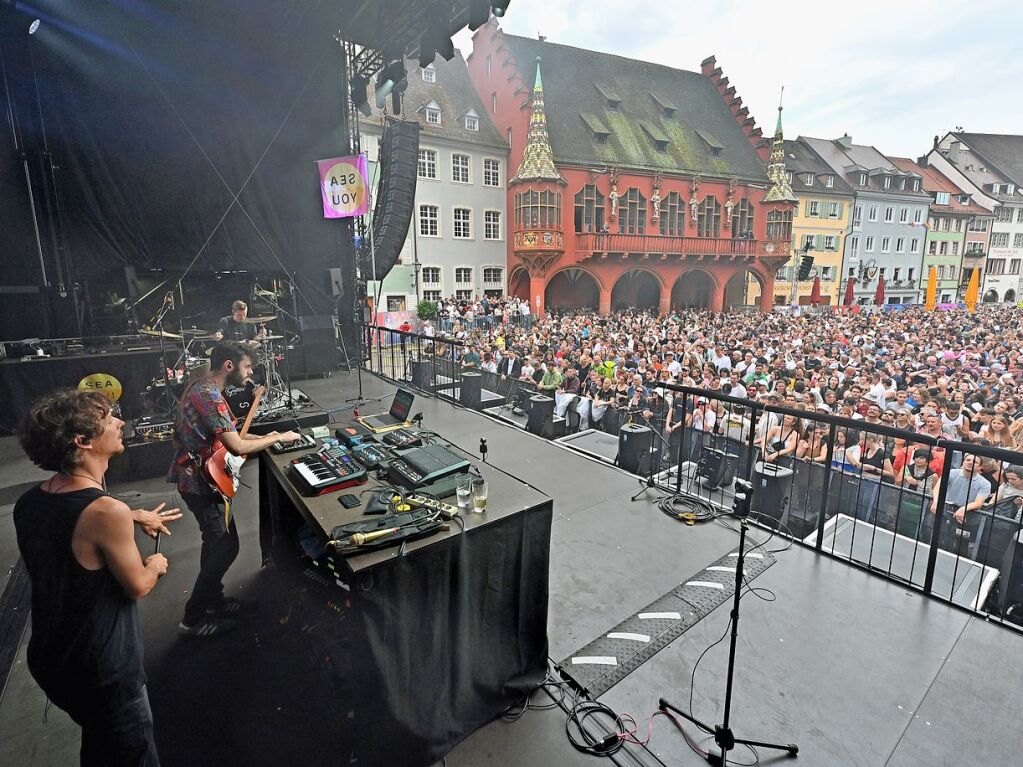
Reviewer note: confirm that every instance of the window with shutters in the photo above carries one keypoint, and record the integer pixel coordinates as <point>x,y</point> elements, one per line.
<point>708,219</point>
<point>589,209</point>
<point>809,242</point>
<point>834,209</point>
<point>813,208</point>
<point>673,215</point>
<point>742,219</point>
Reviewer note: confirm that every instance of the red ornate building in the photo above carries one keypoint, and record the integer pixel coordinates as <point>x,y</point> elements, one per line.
<point>636,184</point>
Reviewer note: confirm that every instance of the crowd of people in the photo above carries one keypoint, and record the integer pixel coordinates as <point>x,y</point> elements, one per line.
<point>951,375</point>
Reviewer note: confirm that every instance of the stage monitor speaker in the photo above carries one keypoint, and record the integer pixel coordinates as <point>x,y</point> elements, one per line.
<point>470,392</point>
<point>1010,578</point>
<point>634,443</point>
<point>541,412</point>
<point>717,468</point>
<point>396,193</point>
<point>318,329</point>
<point>316,358</point>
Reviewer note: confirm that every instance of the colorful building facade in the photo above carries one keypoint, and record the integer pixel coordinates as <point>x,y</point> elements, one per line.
<point>819,227</point>
<point>621,196</point>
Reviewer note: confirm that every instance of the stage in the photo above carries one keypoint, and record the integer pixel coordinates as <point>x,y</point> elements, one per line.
<point>853,668</point>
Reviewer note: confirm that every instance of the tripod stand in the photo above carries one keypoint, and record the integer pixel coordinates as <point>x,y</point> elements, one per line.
<point>723,735</point>
<point>648,483</point>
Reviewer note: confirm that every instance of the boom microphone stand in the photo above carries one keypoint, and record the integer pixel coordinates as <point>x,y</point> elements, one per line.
<point>648,484</point>
<point>723,735</point>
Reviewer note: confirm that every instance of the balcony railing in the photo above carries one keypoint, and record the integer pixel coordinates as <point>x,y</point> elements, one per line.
<point>589,245</point>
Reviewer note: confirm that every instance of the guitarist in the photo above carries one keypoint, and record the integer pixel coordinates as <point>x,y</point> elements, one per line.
<point>203,416</point>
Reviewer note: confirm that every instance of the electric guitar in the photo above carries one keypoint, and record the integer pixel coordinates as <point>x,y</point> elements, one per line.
<point>223,468</point>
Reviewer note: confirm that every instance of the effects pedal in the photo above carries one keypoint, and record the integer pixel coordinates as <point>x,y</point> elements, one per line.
<point>446,509</point>
<point>402,439</point>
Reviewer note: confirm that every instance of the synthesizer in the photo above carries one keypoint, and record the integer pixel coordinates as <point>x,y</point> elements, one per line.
<point>402,439</point>
<point>423,465</point>
<point>370,455</point>
<point>304,441</point>
<point>327,470</point>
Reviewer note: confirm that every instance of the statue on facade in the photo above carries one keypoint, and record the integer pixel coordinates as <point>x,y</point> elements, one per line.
<point>655,198</point>
<point>613,196</point>
<point>730,204</point>
<point>694,193</point>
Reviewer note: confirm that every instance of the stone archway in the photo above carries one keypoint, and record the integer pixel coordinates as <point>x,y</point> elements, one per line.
<point>518,285</point>
<point>744,289</point>
<point>572,289</point>
<point>638,289</point>
<point>991,297</point>
<point>692,290</point>
<point>1010,296</point>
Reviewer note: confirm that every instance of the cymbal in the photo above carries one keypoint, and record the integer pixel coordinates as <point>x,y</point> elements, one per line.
<point>163,333</point>
<point>257,320</point>
<point>273,338</point>
<point>193,331</point>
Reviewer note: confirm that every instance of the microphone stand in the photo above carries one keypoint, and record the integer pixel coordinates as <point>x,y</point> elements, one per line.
<point>723,735</point>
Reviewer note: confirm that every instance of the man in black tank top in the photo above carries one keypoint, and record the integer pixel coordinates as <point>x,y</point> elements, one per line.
<point>78,544</point>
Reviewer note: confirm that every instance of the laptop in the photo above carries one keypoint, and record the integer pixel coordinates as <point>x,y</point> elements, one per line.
<point>395,418</point>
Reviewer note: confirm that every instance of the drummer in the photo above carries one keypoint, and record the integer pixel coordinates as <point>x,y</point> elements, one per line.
<point>235,327</point>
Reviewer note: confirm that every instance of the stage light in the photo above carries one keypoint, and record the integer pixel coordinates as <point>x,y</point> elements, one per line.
<point>34,27</point>
<point>389,77</point>
<point>479,13</point>
<point>360,95</point>
<point>500,7</point>
<point>396,93</point>
<point>434,41</point>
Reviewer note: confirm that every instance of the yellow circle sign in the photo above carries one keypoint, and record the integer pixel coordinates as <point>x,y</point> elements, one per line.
<point>102,382</point>
<point>344,188</point>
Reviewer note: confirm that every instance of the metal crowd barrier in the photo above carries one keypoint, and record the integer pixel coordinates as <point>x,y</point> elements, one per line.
<point>898,520</point>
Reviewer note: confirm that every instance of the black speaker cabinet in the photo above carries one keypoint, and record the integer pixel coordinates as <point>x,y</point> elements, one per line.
<point>541,412</point>
<point>471,390</point>
<point>717,468</point>
<point>318,329</point>
<point>396,193</point>
<point>423,374</point>
<point>634,443</point>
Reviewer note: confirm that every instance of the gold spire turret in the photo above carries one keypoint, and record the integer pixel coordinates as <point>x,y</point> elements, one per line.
<point>781,189</point>
<point>538,159</point>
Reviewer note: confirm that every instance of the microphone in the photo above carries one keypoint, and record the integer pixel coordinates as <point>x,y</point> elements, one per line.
<point>359,539</point>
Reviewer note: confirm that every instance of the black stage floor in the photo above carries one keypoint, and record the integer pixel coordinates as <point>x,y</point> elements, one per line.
<point>856,670</point>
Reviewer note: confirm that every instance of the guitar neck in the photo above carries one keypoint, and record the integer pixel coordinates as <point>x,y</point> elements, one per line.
<point>252,411</point>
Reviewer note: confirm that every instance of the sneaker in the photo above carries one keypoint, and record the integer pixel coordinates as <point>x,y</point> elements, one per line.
<point>230,607</point>
<point>206,627</point>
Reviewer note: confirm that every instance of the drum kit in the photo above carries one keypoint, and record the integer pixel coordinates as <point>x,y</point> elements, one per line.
<point>193,363</point>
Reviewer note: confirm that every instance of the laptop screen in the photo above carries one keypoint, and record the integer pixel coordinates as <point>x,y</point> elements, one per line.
<point>402,404</point>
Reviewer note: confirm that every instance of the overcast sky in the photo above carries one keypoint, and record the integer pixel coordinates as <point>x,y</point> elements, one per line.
<point>891,73</point>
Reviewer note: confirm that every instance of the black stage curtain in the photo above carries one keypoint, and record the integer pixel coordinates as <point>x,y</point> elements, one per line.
<point>186,133</point>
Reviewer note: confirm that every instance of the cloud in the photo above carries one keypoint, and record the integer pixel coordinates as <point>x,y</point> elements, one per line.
<point>891,74</point>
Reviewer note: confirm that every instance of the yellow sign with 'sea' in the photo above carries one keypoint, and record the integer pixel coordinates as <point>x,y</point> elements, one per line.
<point>102,382</point>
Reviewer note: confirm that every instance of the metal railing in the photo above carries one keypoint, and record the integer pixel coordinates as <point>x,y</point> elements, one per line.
<point>939,516</point>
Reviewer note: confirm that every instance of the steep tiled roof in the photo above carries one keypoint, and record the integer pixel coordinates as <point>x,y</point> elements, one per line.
<point>1003,151</point>
<point>656,102</point>
<point>537,162</point>
<point>799,160</point>
<point>454,93</point>
<point>936,181</point>
<point>852,158</point>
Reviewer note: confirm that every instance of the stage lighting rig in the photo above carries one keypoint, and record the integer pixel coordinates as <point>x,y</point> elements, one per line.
<point>360,94</point>
<point>500,7</point>
<point>479,13</point>
<point>388,78</point>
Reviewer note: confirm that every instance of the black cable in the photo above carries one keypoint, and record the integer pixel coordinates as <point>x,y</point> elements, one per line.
<point>690,509</point>
<point>586,742</point>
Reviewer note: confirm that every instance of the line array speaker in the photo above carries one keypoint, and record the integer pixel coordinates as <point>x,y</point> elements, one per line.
<point>396,193</point>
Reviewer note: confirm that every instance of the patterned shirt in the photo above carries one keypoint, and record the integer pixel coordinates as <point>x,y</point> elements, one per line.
<point>202,414</point>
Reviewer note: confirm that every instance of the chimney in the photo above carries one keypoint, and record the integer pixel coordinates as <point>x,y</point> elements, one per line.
<point>936,139</point>
<point>541,38</point>
<point>953,152</point>
<point>922,161</point>
<point>845,142</point>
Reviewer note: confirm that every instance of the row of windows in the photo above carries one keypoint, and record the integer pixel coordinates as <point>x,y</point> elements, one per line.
<point>818,209</point>
<point>942,249</point>
<point>889,215</point>
<point>461,223</point>
<point>896,273</point>
<point>1005,215</point>
<point>590,214</point>
<point>1001,240</point>
<point>827,273</point>
<point>945,224</point>
<point>461,168</point>
<point>886,245</point>
<point>431,275</point>
<point>820,242</point>
<point>997,266</point>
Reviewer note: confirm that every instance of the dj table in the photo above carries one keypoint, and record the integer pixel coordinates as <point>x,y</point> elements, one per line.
<point>440,638</point>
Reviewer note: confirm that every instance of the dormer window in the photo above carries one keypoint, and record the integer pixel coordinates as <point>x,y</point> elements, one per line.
<point>829,181</point>
<point>863,179</point>
<point>916,185</point>
<point>612,99</point>
<point>433,116</point>
<point>942,198</point>
<point>472,121</point>
<point>429,74</point>
<point>887,182</point>
<point>902,184</point>
<point>1010,189</point>
<point>659,139</point>
<point>996,188</point>
<point>808,179</point>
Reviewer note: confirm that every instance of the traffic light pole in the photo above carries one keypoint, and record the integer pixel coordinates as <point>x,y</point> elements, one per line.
<point>723,735</point>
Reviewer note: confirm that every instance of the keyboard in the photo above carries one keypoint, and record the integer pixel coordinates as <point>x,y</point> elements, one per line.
<point>329,469</point>
<point>304,441</point>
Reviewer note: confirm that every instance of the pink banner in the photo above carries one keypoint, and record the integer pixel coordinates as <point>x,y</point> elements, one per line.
<point>344,184</point>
